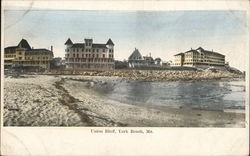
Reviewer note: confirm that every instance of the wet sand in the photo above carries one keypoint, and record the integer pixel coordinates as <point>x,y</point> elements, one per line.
<point>41,100</point>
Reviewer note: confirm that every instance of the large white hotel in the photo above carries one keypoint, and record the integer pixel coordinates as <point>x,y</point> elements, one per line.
<point>89,55</point>
<point>199,58</point>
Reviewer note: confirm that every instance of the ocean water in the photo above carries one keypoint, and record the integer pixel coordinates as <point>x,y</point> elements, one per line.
<point>205,95</point>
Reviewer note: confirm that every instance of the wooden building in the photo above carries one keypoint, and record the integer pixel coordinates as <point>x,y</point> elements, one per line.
<point>89,55</point>
<point>23,55</point>
<point>199,58</point>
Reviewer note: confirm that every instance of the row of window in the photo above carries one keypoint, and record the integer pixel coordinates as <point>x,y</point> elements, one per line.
<point>33,62</point>
<point>10,56</point>
<point>13,56</point>
<point>206,56</point>
<point>89,55</point>
<point>44,58</point>
<point>90,66</point>
<point>88,50</point>
<point>218,61</point>
<point>88,60</point>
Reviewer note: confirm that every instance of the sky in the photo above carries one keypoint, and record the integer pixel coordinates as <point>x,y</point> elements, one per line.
<point>159,33</point>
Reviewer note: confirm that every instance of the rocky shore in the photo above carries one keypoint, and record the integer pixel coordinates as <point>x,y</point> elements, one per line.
<point>152,75</point>
<point>66,100</point>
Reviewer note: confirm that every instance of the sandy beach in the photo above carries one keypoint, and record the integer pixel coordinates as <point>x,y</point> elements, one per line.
<point>66,100</point>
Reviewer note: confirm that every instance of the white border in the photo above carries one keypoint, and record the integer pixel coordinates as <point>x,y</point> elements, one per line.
<point>164,141</point>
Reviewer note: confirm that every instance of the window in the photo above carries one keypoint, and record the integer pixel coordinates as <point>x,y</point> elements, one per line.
<point>110,50</point>
<point>82,50</point>
<point>73,50</point>
<point>73,55</point>
<point>77,55</point>
<point>77,50</point>
<point>93,55</point>
<point>97,50</point>
<point>103,55</point>
<point>93,50</point>
<point>103,50</point>
<point>97,55</point>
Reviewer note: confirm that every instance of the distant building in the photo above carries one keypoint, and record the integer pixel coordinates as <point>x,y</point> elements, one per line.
<point>57,63</point>
<point>137,60</point>
<point>158,61</point>
<point>148,60</point>
<point>166,63</point>
<point>199,58</point>
<point>89,55</point>
<point>23,55</point>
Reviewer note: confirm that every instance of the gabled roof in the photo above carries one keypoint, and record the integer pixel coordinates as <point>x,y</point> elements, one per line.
<point>99,46</point>
<point>200,48</point>
<point>192,50</point>
<point>110,42</point>
<point>10,47</point>
<point>24,44</point>
<point>179,54</point>
<point>39,51</point>
<point>136,54</point>
<point>207,51</point>
<point>68,42</point>
<point>78,45</point>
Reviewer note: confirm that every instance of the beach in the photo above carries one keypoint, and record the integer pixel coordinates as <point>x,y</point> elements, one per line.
<point>72,100</point>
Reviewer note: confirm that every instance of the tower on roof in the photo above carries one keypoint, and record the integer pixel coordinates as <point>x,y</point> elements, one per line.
<point>24,44</point>
<point>88,42</point>
<point>68,42</point>
<point>110,42</point>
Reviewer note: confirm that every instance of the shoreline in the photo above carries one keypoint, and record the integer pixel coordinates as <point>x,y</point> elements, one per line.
<point>148,76</point>
<point>88,109</point>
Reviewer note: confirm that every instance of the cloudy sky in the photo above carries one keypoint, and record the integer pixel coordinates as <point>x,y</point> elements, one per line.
<point>161,33</point>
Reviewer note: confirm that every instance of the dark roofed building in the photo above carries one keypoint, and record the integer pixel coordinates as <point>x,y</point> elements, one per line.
<point>23,55</point>
<point>89,55</point>
<point>136,55</point>
<point>137,60</point>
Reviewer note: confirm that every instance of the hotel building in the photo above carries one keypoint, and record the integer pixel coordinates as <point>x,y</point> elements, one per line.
<point>199,58</point>
<point>89,55</point>
<point>23,55</point>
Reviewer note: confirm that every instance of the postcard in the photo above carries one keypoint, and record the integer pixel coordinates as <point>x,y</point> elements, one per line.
<point>125,78</point>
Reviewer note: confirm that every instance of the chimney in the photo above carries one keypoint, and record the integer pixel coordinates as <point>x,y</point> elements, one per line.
<point>51,48</point>
<point>149,54</point>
